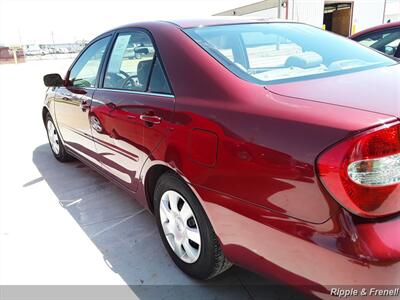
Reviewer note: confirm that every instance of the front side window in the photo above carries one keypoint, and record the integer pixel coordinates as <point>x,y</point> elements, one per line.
<point>85,70</point>
<point>130,63</point>
<point>386,41</point>
<point>267,53</point>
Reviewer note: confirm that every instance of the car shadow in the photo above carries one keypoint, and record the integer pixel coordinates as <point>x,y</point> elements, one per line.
<point>128,239</point>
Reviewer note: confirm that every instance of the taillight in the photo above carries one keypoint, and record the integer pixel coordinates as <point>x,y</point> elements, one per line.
<point>363,172</point>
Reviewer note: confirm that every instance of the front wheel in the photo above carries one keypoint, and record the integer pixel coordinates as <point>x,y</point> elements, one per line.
<point>55,142</point>
<point>185,229</point>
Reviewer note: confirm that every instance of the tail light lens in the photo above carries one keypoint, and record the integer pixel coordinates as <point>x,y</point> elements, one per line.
<point>363,173</point>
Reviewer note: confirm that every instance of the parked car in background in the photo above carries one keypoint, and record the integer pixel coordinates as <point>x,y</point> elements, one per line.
<point>34,50</point>
<point>385,38</point>
<point>274,146</point>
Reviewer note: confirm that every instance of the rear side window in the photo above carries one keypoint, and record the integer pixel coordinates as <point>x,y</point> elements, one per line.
<point>130,63</point>
<point>158,80</point>
<point>85,70</point>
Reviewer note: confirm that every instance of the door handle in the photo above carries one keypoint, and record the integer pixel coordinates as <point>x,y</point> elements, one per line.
<point>150,119</point>
<point>111,106</point>
<point>67,97</point>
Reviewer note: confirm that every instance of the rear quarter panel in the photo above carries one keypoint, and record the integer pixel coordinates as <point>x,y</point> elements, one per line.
<point>266,144</point>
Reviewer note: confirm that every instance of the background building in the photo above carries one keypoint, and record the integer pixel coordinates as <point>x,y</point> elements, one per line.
<point>12,54</point>
<point>392,12</point>
<point>342,17</point>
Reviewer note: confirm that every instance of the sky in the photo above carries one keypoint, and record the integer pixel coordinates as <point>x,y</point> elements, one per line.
<point>39,21</point>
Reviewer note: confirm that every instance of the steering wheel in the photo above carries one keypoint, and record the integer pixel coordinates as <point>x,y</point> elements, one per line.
<point>126,80</point>
<point>129,81</point>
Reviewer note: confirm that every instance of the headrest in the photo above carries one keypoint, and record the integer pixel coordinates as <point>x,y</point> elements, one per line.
<point>304,60</point>
<point>143,71</point>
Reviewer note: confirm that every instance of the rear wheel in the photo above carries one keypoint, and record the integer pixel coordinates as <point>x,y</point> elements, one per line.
<point>55,142</point>
<point>185,229</point>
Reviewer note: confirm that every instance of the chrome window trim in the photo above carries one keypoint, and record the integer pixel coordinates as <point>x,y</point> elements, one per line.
<point>82,87</point>
<point>137,92</point>
<point>77,87</point>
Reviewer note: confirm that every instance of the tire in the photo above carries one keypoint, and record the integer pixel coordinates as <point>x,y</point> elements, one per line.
<point>208,261</point>
<point>55,143</point>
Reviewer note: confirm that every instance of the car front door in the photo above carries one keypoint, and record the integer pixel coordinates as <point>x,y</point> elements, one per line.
<point>73,101</point>
<point>132,110</point>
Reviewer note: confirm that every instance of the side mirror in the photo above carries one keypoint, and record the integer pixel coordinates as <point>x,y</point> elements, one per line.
<point>389,50</point>
<point>142,50</point>
<point>53,79</point>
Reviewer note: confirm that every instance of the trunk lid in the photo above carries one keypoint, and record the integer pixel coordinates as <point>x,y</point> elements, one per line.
<point>376,90</point>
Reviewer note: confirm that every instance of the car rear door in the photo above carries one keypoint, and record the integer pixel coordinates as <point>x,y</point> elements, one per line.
<point>133,107</point>
<point>72,101</point>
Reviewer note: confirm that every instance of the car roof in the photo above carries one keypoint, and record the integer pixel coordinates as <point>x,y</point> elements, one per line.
<point>376,28</point>
<point>210,21</point>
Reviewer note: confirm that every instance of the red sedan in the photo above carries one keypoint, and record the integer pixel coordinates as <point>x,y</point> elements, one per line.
<point>274,146</point>
<point>384,38</point>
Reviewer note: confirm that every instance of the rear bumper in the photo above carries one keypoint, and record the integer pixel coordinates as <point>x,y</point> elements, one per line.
<point>341,252</point>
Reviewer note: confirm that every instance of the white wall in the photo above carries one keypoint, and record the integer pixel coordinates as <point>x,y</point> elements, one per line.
<point>392,10</point>
<point>266,13</point>
<point>367,13</point>
<point>307,11</point>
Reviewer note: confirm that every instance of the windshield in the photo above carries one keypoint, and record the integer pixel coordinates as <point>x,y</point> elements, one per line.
<point>268,53</point>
